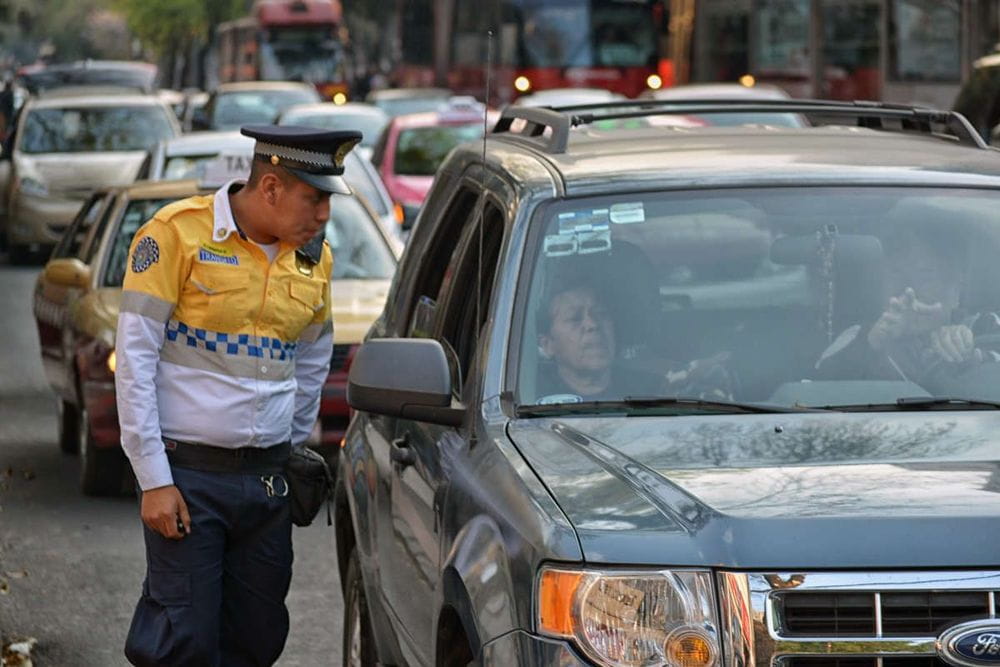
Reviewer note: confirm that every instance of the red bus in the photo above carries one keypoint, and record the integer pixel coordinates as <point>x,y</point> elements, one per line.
<point>538,44</point>
<point>286,40</point>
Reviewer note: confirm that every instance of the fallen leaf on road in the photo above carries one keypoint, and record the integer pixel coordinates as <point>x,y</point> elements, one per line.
<point>20,574</point>
<point>29,475</point>
<point>18,654</point>
<point>4,588</point>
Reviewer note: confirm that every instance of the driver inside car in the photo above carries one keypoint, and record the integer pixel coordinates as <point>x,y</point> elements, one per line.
<point>922,334</point>
<point>577,340</point>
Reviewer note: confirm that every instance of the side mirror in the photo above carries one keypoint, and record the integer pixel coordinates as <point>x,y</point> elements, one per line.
<point>403,377</point>
<point>68,272</point>
<point>995,136</point>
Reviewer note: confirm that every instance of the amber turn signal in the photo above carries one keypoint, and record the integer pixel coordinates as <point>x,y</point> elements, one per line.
<point>688,648</point>
<point>556,591</point>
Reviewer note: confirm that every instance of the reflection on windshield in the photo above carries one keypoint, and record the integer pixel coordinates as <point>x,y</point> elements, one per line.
<point>420,150</point>
<point>601,33</point>
<point>94,129</point>
<point>790,297</point>
<point>359,251</point>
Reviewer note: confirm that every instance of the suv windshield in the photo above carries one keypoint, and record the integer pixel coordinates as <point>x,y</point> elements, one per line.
<point>87,129</point>
<point>420,150</point>
<point>796,297</point>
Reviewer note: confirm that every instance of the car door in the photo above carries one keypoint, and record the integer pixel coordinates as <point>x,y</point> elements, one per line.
<point>423,454</point>
<point>418,288</point>
<point>52,302</point>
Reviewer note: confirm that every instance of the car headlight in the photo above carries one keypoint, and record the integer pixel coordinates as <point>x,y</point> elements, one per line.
<point>662,617</point>
<point>34,187</point>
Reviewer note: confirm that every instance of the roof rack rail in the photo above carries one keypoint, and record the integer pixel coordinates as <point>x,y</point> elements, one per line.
<point>537,120</point>
<point>866,114</point>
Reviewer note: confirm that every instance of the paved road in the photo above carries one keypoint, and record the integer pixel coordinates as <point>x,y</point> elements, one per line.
<point>72,566</point>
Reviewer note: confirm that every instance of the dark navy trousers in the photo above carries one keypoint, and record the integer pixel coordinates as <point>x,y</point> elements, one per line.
<point>217,596</point>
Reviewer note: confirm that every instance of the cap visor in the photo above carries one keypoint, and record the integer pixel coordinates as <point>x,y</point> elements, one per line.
<point>325,182</point>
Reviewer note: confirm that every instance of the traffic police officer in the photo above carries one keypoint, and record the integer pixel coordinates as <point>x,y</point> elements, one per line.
<point>224,342</point>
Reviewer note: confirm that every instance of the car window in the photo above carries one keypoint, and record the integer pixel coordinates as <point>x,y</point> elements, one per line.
<point>96,235</point>
<point>370,125</point>
<point>83,129</point>
<point>408,105</point>
<point>137,213</point>
<point>232,110</point>
<point>359,250</point>
<point>71,240</point>
<point>421,313</point>
<point>469,288</point>
<point>420,150</point>
<point>796,296</point>
<point>181,167</point>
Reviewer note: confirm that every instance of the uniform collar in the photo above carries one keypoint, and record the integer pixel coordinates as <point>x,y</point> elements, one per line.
<point>224,224</point>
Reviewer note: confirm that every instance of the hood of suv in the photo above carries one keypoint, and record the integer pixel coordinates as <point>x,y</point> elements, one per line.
<point>776,491</point>
<point>78,174</point>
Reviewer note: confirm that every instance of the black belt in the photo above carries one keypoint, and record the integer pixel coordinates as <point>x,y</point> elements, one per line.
<point>260,460</point>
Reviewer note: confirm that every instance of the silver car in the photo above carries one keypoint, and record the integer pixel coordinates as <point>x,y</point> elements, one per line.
<point>68,144</point>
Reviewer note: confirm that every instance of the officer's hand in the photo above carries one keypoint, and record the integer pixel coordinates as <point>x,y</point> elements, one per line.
<point>906,316</point>
<point>161,509</point>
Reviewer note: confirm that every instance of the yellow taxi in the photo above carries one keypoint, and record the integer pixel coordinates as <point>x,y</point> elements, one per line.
<point>78,294</point>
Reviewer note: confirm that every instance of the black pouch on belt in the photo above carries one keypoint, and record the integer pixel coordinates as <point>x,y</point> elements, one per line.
<point>310,484</point>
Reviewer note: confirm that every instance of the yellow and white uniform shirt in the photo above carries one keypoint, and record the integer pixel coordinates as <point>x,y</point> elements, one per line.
<point>216,344</point>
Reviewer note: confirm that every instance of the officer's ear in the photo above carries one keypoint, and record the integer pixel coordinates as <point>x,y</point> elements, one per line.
<point>271,187</point>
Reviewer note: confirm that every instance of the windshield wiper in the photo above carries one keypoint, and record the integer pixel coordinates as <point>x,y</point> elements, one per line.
<point>920,403</point>
<point>631,404</point>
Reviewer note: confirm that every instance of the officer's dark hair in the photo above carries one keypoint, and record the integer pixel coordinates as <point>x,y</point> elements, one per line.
<point>261,166</point>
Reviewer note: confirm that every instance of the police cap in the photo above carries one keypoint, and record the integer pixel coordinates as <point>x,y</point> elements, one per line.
<point>314,155</point>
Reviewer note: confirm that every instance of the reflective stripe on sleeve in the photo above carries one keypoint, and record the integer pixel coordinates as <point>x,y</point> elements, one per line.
<point>146,305</point>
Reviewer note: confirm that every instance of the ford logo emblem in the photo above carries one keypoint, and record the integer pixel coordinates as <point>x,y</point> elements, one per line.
<point>972,644</point>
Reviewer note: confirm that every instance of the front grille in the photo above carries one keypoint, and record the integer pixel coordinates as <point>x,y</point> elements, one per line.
<point>903,613</point>
<point>828,614</point>
<point>909,661</point>
<point>929,613</point>
<point>341,355</point>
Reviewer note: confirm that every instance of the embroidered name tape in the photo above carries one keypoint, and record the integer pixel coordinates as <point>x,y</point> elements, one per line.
<point>213,253</point>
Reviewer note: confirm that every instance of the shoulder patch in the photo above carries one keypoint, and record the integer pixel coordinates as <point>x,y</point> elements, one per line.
<point>146,253</point>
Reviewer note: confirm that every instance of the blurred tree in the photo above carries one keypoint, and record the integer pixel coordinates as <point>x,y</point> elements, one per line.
<point>174,29</point>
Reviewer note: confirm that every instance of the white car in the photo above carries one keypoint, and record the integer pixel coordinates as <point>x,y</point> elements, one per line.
<point>67,144</point>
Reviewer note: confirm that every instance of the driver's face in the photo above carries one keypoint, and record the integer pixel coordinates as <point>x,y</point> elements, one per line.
<point>582,335</point>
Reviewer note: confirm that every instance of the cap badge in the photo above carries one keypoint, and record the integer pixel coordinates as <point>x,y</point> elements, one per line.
<point>275,160</point>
